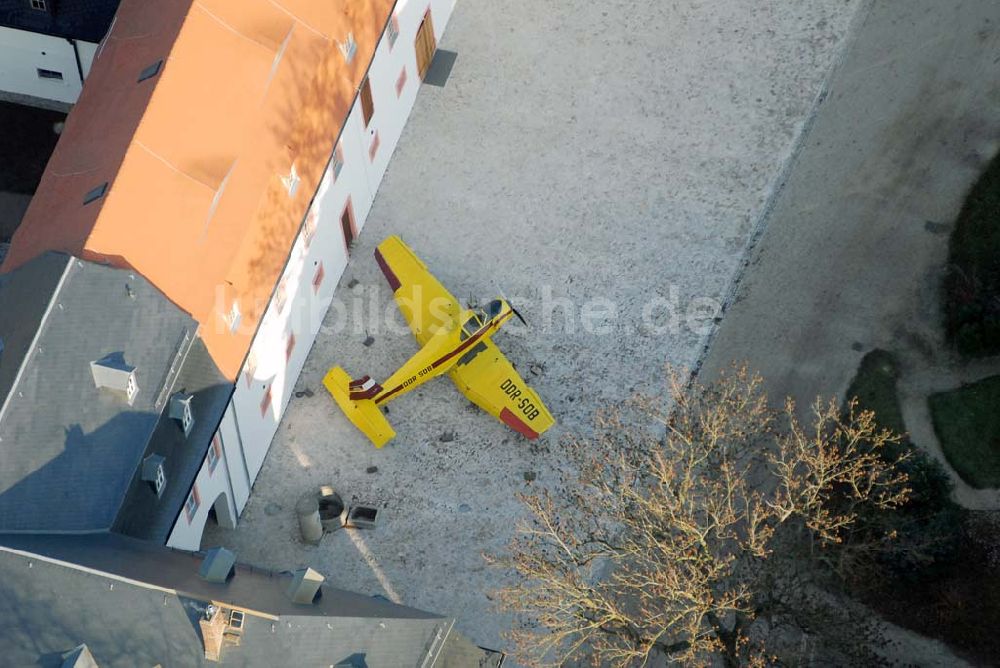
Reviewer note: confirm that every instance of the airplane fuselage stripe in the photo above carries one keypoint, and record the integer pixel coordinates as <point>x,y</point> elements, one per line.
<point>444,358</point>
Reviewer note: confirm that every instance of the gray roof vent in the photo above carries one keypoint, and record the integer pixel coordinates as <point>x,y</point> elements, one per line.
<point>305,586</point>
<point>152,472</point>
<point>180,410</point>
<point>111,372</point>
<point>79,657</point>
<point>219,565</point>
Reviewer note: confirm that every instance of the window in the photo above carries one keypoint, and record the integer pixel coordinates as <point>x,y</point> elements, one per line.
<point>187,418</point>
<point>214,453</point>
<point>392,31</point>
<point>309,230</point>
<point>192,503</point>
<point>265,403</point>
<point>96,193</point>
<point>160,481</point>
<point>290,346</point>
<point>318,278</point>
<point>472,325</point>
<point>39,5</point>
<point>367,105</point>
<point>49,74</point>
<point>373,151</point>
<point>150,71</point>
<point>338,161</point>
<point>401,82</point>
<point>281,295</point>
<point>131,388</point>
<point>233,317</point>
<point>250,368</point>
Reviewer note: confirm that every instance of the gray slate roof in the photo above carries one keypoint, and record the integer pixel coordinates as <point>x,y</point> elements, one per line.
<point>134,603</point>
<point>87,20</point>
<point>69,451</point>
<point>142,514</point>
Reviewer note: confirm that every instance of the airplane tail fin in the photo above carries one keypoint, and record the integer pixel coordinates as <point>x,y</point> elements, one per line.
<point>355,398</point>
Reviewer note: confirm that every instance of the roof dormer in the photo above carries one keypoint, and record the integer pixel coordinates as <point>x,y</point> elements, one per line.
<point>113,373</point>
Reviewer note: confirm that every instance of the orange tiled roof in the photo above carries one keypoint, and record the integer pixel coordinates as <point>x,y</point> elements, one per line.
<point>195,155</point>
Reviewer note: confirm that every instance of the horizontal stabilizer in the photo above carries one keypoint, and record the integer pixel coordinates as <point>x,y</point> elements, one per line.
<point>363,413</point>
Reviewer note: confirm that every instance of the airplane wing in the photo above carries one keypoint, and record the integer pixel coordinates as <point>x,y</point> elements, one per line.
<point>424,302</point>
<point>489,380</point>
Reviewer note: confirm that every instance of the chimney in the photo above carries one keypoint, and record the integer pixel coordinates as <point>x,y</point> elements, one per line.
<point>219,565</point>
<point>305,586</point>
<point>111,372</point>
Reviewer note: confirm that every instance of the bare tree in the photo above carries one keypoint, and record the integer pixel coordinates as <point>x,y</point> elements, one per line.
<point>699,533</point>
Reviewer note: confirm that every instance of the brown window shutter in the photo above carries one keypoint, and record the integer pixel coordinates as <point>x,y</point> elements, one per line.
<point>367,106</point>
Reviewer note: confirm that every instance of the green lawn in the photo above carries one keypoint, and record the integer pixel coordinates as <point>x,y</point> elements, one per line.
<point>967,422</point>
<point>972,282</point>
<point>875,388</point>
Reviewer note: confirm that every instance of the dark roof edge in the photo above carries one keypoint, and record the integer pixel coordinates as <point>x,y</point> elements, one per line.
<point>152,432</point>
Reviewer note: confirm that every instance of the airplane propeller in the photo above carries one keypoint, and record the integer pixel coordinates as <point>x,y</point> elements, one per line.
<point>512,308</point>
<point>518,314</point>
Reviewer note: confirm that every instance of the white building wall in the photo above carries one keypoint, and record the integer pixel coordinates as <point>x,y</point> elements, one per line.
<point>24,53</point>
<point>239,477</point>
<point>211,487</point>
<point>301,300</point>
<point>87,52</point>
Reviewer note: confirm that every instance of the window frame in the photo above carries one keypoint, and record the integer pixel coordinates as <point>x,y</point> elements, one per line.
<point>318,277</point>
<point>192,503</point>
<point>392,31</point>
<point>131,388</point>
<point>338,162</point>
<point>250,367</point>
<point>265,402</point>
<point>187,418</point>
<point>214,453</point>
<point>160,483</point>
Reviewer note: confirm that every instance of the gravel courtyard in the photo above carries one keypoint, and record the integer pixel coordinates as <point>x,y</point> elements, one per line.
<point>607,160</point>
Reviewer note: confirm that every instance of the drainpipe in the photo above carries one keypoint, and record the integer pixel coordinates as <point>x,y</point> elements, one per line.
<point>76,53</point>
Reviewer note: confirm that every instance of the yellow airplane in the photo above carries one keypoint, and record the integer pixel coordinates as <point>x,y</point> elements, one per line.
<point>453,340</point>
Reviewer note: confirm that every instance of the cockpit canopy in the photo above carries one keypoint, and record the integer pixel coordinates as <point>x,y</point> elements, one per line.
<point>482,317</point>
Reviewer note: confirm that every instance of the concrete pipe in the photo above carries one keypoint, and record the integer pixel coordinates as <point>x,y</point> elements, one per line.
<point>309,523</point>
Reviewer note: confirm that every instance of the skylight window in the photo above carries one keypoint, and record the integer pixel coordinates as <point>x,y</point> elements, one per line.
<point>233,317</point>
<point>291,181</point>
<point>348,47</point>
<point>150,71</point>
<point>96,193</point>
